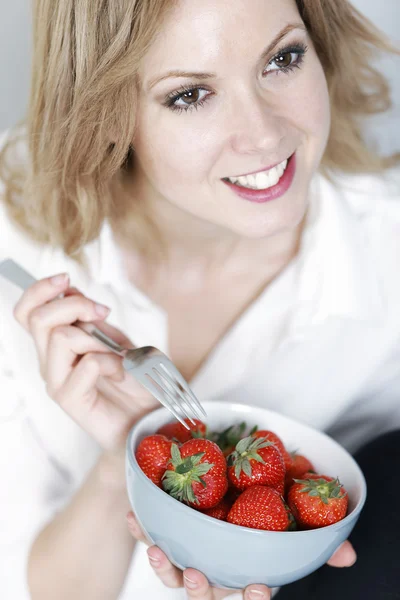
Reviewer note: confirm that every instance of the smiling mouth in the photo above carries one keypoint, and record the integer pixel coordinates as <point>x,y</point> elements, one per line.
<point>261,180</point>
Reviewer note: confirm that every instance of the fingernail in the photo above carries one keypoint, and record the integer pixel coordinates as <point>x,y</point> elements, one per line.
<point>101,309</point>
<point>255,594</point>
<point>189,583</point>
<point>154,561</point>
<point>59,280</point>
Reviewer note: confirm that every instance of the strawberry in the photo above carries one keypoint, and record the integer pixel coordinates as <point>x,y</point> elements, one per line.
<point>260,507</point>
<point>300,465</point>
<point>229,437</point>
<point>272,437</point>
<point>176,431</point>
<point>196,474</point>
<point>152,455</point>
<point>256,461</point>
<point>317,501</point>
<point>220,511</point>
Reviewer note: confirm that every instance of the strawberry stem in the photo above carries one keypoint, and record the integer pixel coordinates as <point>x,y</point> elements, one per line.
<point>321,488</point>
<point>178,481</point>
<point>246,450</point>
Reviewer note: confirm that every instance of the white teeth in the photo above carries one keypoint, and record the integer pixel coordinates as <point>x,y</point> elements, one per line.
<point>262,180</point>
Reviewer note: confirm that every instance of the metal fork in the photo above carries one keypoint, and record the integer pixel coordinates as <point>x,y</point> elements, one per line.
<point>151,367</point>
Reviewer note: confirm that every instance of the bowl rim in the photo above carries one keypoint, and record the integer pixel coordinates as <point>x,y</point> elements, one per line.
<point>131,458</point>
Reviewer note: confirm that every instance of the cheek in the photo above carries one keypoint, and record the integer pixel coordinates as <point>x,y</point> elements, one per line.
<point>185,149</point>
<point>311,109</point>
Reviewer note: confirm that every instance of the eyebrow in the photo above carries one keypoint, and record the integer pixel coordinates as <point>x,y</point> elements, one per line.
<point>202,76</point>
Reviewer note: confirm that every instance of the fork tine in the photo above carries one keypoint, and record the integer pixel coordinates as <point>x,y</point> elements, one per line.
<point>181,393</point>
<point>170,393</point>
<point>184,386</point>
<point>150,385</point>
<point>174,394</point>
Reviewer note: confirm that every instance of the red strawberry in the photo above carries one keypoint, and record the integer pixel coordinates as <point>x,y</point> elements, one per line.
<point>260,507</point>
<point>256,461</point>
<point>196,474</point>
<point>229,437</point>
<point>178,432</point>
<point>152,455</point>
<point>272,437</point>
<point>317,501</point>
<point>300,465</point>
<point>220,511</point>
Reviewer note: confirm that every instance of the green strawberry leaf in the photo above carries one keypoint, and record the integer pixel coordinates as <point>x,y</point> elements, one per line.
<point>257,457</point>
<point>246,468</point>
<point>175,455</point>
<point>242,445</point>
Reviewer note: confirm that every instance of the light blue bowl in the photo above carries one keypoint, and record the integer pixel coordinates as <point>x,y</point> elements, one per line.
<point>231,556</point>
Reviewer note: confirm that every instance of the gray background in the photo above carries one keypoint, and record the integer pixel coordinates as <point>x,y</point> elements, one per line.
<point>15,43</point>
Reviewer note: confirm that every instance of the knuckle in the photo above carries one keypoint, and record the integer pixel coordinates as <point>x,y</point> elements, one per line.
<point>60,334</point>
<point>35,318</point>
<point>81,303</point>
<point>79,307</point>
<point>91,362</point>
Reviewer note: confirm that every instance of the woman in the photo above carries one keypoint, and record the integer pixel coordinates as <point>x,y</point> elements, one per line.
<point>176,174</point>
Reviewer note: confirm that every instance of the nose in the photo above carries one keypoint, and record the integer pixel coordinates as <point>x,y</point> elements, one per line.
<point>256,126</point>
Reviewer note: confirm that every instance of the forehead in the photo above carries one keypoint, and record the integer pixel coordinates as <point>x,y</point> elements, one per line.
<point>199,33</point>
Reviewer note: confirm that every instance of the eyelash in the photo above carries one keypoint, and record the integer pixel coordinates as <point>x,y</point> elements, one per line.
<point>299,48</point>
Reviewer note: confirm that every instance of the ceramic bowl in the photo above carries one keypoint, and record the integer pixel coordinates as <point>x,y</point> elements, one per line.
<point>231,556</point>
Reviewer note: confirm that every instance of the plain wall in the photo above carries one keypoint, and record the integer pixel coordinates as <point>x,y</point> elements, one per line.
<point>15,45</point>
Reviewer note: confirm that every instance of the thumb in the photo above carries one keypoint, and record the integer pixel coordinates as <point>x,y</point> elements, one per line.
<point>135,529</point>
<point>345,556</point>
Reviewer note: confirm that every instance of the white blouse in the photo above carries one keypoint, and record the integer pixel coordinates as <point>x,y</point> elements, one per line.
<point>321,344</point>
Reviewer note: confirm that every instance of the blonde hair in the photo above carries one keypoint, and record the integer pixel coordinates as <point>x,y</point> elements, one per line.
<point>83,95</point>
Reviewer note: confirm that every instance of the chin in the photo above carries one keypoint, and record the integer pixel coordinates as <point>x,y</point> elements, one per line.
<point>269,224</point>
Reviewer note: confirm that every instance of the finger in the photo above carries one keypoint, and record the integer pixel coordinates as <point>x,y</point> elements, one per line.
<point>197,585</point>
<point>63,311</point>
<point>66,344</point>
<point>37,294</point>
<point>345,556</point>
<point>106,328</point>
<point>115,334</point>
<point>257,592</point>
<point>135,529</point>
<point>169,575</point>
<point>73,291</point>
<point>78,394</point>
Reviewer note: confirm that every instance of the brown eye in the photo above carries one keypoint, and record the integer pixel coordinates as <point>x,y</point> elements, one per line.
<point>191,97</point>
<point>284,60</point>
<point>188,98</point>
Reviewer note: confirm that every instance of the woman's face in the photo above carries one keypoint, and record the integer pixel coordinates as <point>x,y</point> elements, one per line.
<point>227,90</point>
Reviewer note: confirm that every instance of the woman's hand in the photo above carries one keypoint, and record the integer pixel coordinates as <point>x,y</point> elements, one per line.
<point>81,375</point>
<point>196,584</point>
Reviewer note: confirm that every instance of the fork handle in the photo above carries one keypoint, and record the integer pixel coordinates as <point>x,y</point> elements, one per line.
<point>17,275</point>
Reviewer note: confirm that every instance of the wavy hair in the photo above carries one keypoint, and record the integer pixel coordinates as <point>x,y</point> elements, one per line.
<point>86,55</point>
